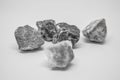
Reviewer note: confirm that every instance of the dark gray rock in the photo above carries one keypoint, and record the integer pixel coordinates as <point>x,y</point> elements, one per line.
<point>60,55</point>
<point>28,38</point>
<point>68,32</point>
<point>53,32</point>
<point>47,29</point>
<point>96,31</point>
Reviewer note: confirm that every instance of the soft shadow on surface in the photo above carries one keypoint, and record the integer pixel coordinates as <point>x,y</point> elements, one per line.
<point>31,51</point>
<point>63,69</point>
<point>14,47</point>
<point>77,45</point>
<point>92,42</point>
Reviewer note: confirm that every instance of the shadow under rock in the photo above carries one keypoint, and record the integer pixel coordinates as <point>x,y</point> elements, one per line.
<point>63,69</point>
<point>32,51</point>
<point>93,42</point>
<point>77,45</point>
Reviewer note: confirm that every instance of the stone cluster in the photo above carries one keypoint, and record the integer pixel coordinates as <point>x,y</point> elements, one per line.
<point>55,33</point>
<point>63,37</point>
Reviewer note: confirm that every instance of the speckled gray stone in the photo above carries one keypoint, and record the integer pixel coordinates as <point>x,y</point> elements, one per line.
<point>60,55</point>
<point>96,31</point>
<point>28,38</point>
<point>47,29</point>
<point>67,32</point>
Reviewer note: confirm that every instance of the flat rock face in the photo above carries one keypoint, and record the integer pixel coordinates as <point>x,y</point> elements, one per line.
<point>68,32</point>
<point>47,29</point>
<point>28,38</point>
<point>96,31</point>
<point>60,55</point>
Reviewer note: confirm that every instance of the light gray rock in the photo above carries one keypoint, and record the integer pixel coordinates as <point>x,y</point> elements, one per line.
<point>60,55</point>
<point>96,31</point>
<point>28,38</point>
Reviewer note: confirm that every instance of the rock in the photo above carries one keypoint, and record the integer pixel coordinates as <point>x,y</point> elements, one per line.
<point>68,32</point>
<point>96,31</point>
<point>47,29</point>
<point>53,32</point>
<point>60,55</point>
<point>28,38</point>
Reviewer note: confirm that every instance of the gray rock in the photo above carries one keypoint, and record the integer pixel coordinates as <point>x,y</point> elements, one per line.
<point>60,55</point>
<point>28,38</point>
<point>67,32</point>
<point>53,32</point>
<point>47,29</point>
<point>96,31</point>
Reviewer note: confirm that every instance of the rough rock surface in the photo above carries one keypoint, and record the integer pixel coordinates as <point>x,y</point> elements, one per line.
<point>60,55</point>
<point>28,38</point>
<point>67,32</point>
<point>47,29</point>
<point>53,32</point>
<point>96,31</point>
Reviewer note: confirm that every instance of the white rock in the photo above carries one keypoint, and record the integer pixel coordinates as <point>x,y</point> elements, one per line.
<point>60,55</point>
<point>96,31</point>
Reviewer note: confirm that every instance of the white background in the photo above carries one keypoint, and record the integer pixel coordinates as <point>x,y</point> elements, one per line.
<point>91,62</point>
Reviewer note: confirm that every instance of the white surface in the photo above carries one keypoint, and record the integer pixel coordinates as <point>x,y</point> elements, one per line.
<point>91,62</point>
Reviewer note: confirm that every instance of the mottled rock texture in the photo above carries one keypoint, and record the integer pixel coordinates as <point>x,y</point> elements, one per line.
<point>96,31</point>
<point>47,29</point>
<point>55,33</point>
<point>28,38</point>
<point>60,55</point>
<point>68,32</point>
